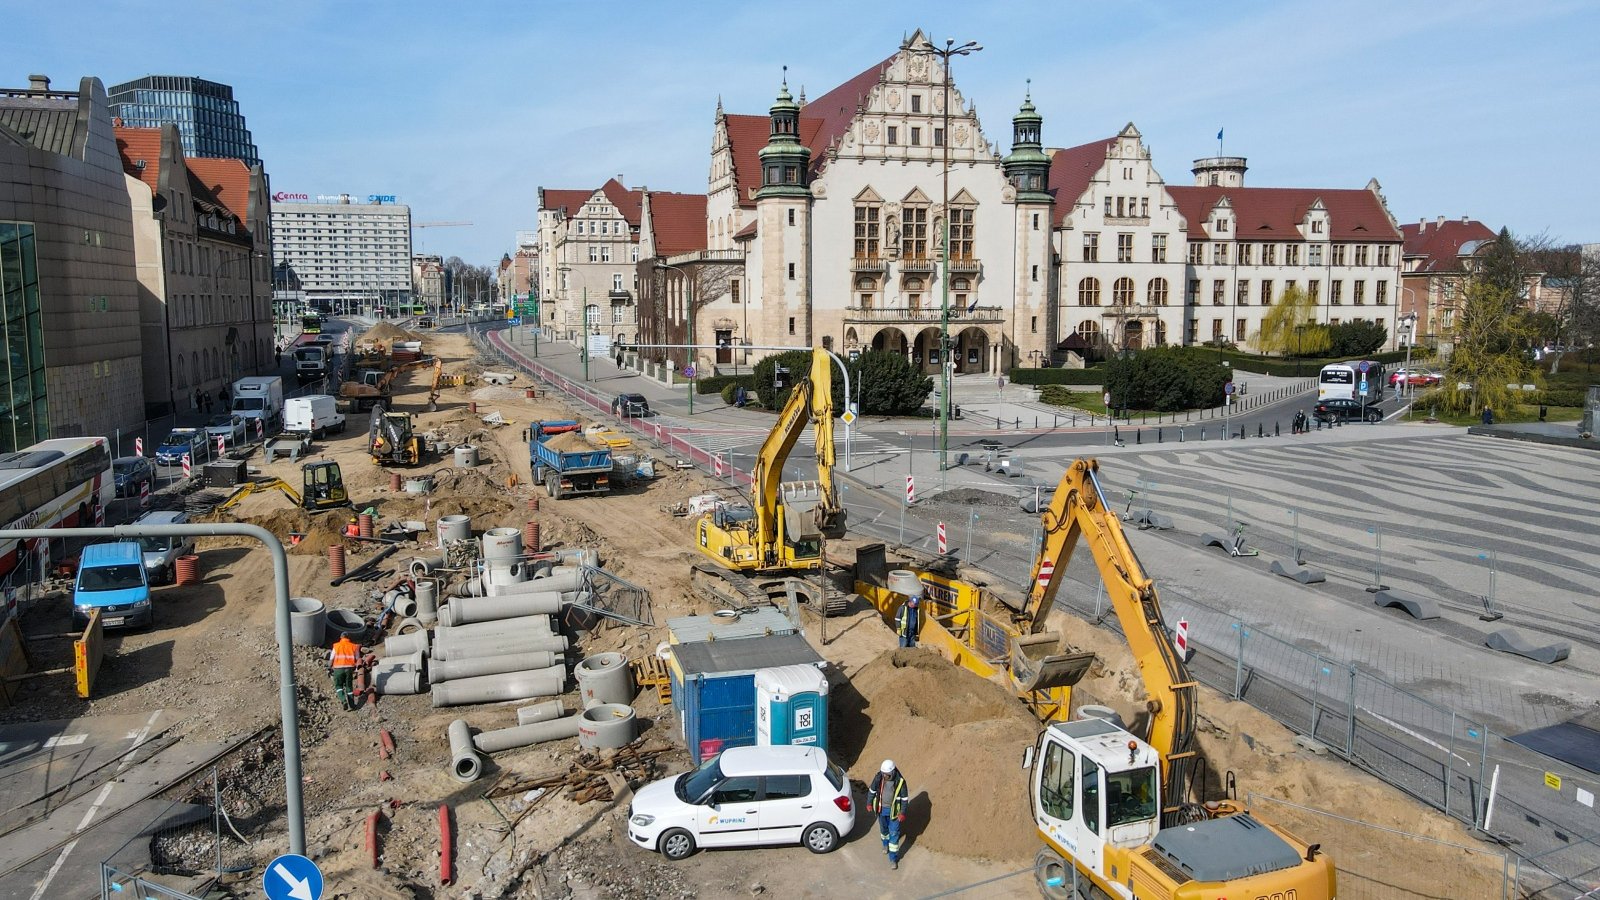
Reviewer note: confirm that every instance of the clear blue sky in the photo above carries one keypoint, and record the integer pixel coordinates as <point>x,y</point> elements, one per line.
<point>1468,107</point>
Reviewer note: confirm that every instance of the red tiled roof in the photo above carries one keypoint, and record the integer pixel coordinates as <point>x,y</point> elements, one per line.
<point>747,135</point>
<point>679,221</point>
<point>834,110</point>
<point>1439,243</point>
<point>747,232</point>
<point>228,180</point>
<point>626,201</point>
<point>1071,170</point>
<point>135,144</point>
<point>1275,213</point>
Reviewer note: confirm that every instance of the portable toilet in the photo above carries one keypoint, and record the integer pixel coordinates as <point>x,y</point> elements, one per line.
<point>791,706</point>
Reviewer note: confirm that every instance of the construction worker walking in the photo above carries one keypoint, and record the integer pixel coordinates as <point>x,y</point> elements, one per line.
<point>342,664</point>
<point>887,798</point>
<point>908,621</point>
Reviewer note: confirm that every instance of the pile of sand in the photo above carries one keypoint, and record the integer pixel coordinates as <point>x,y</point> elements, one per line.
<point>383,331</point>
<point>959,741</point>
<point>569,442</point>
<point>319,530</point>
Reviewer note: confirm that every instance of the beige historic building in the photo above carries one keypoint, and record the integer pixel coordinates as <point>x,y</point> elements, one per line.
<point>204,260</point>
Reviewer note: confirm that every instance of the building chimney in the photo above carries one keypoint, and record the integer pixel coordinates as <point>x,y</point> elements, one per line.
<point>38,82</point>
<point>1422,226</point>
<point>1441,221</point>
<point>1465,219</point>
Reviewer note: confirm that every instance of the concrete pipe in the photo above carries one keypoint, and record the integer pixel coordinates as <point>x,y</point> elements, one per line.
<point>605,727</point>
<point>409,626</point>
<point>472,587</point>
<point>347,622</point>
<point>523,735</point>
<point>395,682</point>
<point>423,566</point>
<point>465,611</point>
<point>541,712</point>
<point>904,582</point>
<point>541,624</point>
<point>503,573</point>
<point>410,662</point>
<point>555,643</point>
<point>466,456</point>
<point>472,666</point>
<point>502,544</point>
<point>402,602</point>
<point>604,678</point>
<point>564,578</point>
<point>308,621</point>
<point>405,644</point>
<point>579,556</point>
<point>510,686</point>
<point>465,764</point>
<point>454,528</point>
<point>427,601</point>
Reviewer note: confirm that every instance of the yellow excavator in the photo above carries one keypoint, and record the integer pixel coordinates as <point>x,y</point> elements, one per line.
<point>1113,808</point>
<point>392,439</point>
<point>323,488</point>
<point>371,387</point>
<point>753,549</point>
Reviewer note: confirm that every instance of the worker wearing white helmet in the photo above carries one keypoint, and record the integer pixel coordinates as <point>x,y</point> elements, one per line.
<point>887,798</point>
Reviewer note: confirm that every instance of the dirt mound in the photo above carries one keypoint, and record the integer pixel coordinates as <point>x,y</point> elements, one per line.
<point>958,739</point>
<point>383,331</point>
<point>319,530</point>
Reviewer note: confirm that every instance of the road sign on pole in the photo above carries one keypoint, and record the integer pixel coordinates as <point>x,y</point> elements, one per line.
<point>292,877</point>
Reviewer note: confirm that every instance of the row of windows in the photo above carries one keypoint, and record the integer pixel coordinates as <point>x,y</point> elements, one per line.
<point>913,135</point>
<point>1241,328</point>
<point>601,253</point>
<point>1128,207</point>
<point>1267,293</point>
<point>1248,253</point>
<point>26,418</point>
<point>1091,246</point>
<point>1122,292</point>
<point>912,231</point>
<point>600,227</point>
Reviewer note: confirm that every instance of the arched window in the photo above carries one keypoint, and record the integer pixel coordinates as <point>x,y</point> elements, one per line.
<point>1089,292</point>
<point>591,314</point>
<point>1122,292</point>
<point>1158,292</point>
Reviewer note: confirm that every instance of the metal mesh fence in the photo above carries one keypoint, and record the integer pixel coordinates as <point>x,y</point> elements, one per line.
<point>189,845</point>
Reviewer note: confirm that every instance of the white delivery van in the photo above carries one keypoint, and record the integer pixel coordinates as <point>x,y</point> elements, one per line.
<point>313,414</point>
<point>260,397</point>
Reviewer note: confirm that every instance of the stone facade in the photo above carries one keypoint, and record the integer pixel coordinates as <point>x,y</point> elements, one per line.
<point>60,173</point>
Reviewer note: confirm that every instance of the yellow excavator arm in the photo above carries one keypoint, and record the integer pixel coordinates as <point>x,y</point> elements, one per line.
<point>810,402</point>
<point>1078,508</point>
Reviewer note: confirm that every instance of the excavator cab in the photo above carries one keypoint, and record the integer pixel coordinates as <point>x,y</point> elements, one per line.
<point>323,487</point>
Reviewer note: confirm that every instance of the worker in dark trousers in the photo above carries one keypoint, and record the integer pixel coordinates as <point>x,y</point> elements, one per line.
<point>887,798</point>
<point>908,621</point>
<point>342,664</point>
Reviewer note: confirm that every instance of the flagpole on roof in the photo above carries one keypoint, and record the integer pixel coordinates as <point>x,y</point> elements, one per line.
<point>1219,142</point>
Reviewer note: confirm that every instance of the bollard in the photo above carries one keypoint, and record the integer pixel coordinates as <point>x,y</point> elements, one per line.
<point>1159,438</point>
<point>1275,430</point>
<point>1180,434</point>
<point>1202,432</point>
<point>1138,435</point>
<point>1259,432</point>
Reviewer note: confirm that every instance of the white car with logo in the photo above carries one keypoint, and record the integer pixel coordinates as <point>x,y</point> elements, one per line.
<point>745,797</point>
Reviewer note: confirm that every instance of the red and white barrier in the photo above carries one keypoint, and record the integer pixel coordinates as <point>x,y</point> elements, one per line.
<point>144,493</point>
<point>1047,569</point>
<point>222,446</point>
<point>716,464</point>
<point>138,446</point>
<point>1180,638</point>
<point>911,489</point>
<point>944,545</point>
<point>188,466</point>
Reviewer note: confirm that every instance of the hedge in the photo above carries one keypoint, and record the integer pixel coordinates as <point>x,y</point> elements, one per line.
<point>713,384</point>
<point>1057,376</point>
<point>1552,398</point>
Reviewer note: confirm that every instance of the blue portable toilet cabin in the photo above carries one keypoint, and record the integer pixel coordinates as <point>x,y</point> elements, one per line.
<point>714,687</point>
<point>792,706</point>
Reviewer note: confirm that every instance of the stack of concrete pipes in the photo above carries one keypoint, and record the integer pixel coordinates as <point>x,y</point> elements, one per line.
<point>536,724</point>
<point>513,658</point>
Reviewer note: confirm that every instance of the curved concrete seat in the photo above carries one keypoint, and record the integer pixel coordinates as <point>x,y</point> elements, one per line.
<point>1146,519</point>
<point>1298,573</point>
<point>1418,607</point>
<point>1510,640</point>
<point>1213,540</point>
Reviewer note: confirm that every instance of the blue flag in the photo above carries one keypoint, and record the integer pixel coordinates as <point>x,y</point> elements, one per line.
<point>1219,134</point>
<point>972,306</point>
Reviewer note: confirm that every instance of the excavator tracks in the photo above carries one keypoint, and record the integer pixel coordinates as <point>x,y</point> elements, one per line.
<point>735,590</point>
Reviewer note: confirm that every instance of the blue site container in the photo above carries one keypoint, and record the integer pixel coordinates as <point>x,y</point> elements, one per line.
<point>714,687</point>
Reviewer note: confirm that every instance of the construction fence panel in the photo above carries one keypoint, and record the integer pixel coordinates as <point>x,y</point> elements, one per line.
<point>188,846</point>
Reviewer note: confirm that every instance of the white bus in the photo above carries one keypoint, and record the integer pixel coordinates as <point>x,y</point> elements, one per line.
<point>1343,381</point>
<point>60,483</point>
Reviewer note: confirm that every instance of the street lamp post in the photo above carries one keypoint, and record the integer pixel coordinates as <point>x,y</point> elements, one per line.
<point>949,51</point>
<point>688,285</point>
<point>1410,322</point>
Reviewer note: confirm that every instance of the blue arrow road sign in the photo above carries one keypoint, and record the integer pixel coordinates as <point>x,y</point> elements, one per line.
<point>515,320</point>
<point>292,877</point>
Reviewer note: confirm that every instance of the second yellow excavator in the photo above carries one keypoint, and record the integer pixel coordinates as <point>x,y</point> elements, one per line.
<point>781,531</point>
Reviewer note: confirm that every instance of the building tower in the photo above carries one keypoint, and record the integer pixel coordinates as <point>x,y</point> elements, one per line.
<point>783,211</point>
<point>208,118</point>
<point>1027,170</point>
<point>1219,171</point>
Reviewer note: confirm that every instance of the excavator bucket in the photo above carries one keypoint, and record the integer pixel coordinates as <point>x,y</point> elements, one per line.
<point>1035,666</point>
<point>800,501</point>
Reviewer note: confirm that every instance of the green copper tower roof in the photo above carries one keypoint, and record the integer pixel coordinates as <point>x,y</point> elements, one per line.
<point>1027,166</point>
<point>785,162</point>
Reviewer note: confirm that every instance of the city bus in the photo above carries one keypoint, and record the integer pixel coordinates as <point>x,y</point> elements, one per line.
<point>1343,381</point>
<point>311,323</point>
<point>60,483</point>
<point>419,309</point>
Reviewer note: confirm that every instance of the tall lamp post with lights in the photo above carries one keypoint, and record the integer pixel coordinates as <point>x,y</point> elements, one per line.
<point>945,54</point>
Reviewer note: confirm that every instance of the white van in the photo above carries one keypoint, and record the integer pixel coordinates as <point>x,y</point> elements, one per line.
<point>313,414</point>
<point>746,797</point>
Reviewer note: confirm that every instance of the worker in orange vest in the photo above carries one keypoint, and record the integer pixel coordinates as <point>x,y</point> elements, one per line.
<point>352,528</point>
<point>342,663</point>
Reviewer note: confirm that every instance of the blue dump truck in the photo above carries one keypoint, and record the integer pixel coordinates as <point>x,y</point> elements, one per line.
<point>564,462</point>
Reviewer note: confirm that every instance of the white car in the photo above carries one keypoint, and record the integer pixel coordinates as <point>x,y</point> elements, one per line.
<point>745,797</point>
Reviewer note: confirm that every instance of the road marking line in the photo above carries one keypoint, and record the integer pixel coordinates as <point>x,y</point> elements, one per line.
<point>88,816</point>
<point>66,740</point>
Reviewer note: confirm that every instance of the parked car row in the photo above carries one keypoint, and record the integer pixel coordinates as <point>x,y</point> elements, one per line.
<point>115,578</point>
<point>1414,378</point>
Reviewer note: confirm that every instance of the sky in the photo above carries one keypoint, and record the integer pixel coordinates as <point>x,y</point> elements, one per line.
<point>464,110</point>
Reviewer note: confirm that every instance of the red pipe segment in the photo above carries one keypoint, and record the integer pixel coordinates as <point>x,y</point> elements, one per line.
<point>386,741</point>
<point>372,836</point>
<point>446,846</point>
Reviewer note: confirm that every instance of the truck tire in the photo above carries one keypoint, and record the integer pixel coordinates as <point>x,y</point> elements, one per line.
<point>1053,875</point>
<point>552,484</point>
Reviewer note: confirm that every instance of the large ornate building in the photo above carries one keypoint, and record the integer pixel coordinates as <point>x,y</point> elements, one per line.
<point>824,223</point>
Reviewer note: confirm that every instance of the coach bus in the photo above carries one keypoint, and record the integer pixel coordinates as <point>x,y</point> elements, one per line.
<point>1344,380</point>
<point>60,483</point>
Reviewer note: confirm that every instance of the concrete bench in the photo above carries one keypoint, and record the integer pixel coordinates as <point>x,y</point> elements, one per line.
<point>1298,573</point>
<point>1510,640</point>
<point>1421,608</point>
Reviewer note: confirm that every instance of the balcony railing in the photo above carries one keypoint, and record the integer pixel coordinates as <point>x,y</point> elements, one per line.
<point>621,296</point>
<point>923,314</point>
<point>867,264</point>
<point>965,264</point>
<point>917,264</point>
<point>695,256</point>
